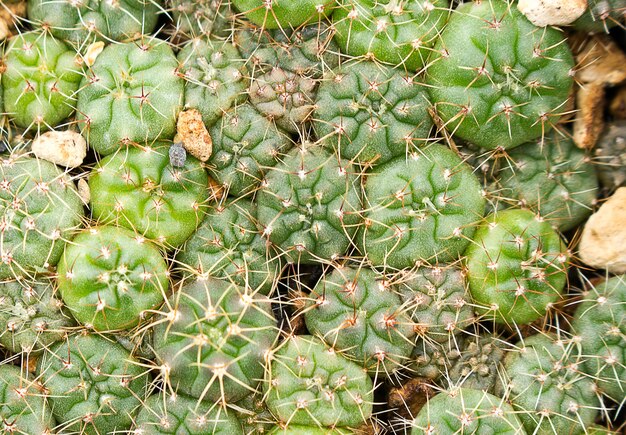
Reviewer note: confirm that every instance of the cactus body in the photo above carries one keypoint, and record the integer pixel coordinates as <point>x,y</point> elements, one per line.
<point>279,14</point>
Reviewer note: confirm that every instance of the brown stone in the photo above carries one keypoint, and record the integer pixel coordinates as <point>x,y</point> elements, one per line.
<point>194,135</point>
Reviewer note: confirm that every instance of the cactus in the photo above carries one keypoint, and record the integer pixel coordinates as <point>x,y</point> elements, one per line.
<point>40,209</point>
<point>309,205</point>
<point>370,113</point>
<point>213,340</point>
<point>517,267</point>
<point>194,18</point>
<point>93,384</point>
<point>420,209</point>
<point>359,313</point>
<point>139,189</point>
<point>599,322</point>
<point>602,15</point>
<point>32,314</point>
<point>181,415</point>
<point>131,94</point>
<point>245,145</point>
<point>109,277</point>
<point>392,31</point>
<point>308,430</point>
<point>216,77</point>
<point>85,21</point>
<point>40,80</point>
<point>496,79</point>
<point>549,392</point>
<point>229,245</point>
<point>312,385</point>
<point>610,156</point>
<point>255,417</point>
<point>283,13</point>
<point>431,360</point>
<point>23,407</point>
<point>464,410</point>
<point>478,366</point>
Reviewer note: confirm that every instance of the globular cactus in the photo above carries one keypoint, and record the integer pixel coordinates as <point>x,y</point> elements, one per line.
<point>371,113</point>
<point>40,210</point>
<point>32,315</point>
<point>464,410</point>
<point>602,15</point>
<point>178,414</point>
<point>283,14</point>
<point>395,32</point>
<point>245,145</point>
<point>93,384</point>
<point>131,94</point>
<point>309,205</point>
<point>545,382</point>
<point>139,189</point>
<point>311,384</point>
<point>213,340</point>
<point>517,267</point>
<point>420,209</point>
<point>216,77</point>
<point>85,21</point>
<point>292,429</point>
<point>23,405</point>
<point>431,360</point>
<point>195,18</point>
<point>610,156</point>
<point>496,79</point>
<point>600,324</point>
<point>40,80</point>
<point>229,245</point>
<point>109,277</point>
<point>479,365</point>
<point>360,314</point>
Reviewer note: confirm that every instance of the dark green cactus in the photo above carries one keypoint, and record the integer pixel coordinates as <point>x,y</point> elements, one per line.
<point>602,15</point>
<point>292,429</point>
<point>194,18</point>
<point>610,155</point>
<point>283,13</point>
<point>479,365</point>
<point>431,360</point>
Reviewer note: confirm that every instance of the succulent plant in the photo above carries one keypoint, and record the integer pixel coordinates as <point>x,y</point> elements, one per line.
<point>213,340</point>
<point>253,413</point>
<point>40,210</point>
<point>392,31</point>
<point>229,245</point>
<point>311,384</point>
<point>479,364</point>
<point>216,77</point>
<point>194,18</point>
<point>610,155</point>
<point>544,381</point>
<point>495,78</point>
<point>420,209</point>
<point>360,314</point>
<point>93,384</point>
<point>600,323</point>
<point>432,360</point>
<point>309,205</point>
<point>131,94</point>
<point>109,277</point>
<point>139,189</point>
<point>308,430</point>
<point>464,410</point>
<point>23,407</point>
<point>371,113</point>
<point>601,15</point>
<point>40,80</point>
<point>83,21</point>
<point>32,315</point>
<point>282,13</point>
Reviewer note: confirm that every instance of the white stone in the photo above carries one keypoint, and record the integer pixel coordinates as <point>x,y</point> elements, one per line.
<point>65,148</point>
<point>552,12</point>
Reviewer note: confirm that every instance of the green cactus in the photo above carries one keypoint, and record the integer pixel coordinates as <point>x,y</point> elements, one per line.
<point>359,313</point>
<point>392,31</point>
<point>245,145</point>
<point>309,205</point>
<point>431,360</point>
<point>161,414</point>
<point>109,277</point>
<point>131,94</point>
<point>84,21</point>
<point>229,245</point>
<point>216,77</point>
<point>138,188</point>
<point>517,267</point>
<point>308,430</point>
<point>312,385</point>
<point>23,406</point>
<point>478,366</point>
<point>93,384</point>
<point>600,323</point>
<point>213,340</point>
<point>467,411</point>
<point>610,155</point>
<point>543,380</point>
<point>40,80</point>
<point>194,18</point>
<point>370,113</point>
<point>496,79</point>
<point>253,413</point>
<point>602,15</point>
<point>279,14</point>
<point>40,210</point>
<point>420,209</point>
<point>32,315</point>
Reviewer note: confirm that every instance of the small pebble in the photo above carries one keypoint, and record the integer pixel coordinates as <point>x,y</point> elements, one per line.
<point>178,155</point>
<point>544,13</point>
<point>194,135</point>
<point>65,148</point>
